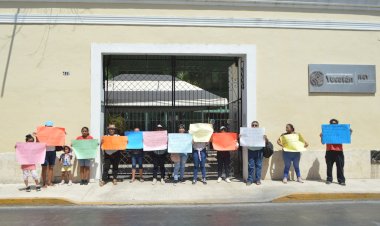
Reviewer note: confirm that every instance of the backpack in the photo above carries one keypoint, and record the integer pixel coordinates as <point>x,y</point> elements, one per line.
<point>268,150</point>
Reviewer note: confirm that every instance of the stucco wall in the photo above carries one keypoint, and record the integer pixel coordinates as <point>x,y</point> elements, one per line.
<point>33,57</point>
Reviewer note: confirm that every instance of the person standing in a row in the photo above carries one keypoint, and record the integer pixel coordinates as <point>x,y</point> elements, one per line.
<point>290,156</point>
<point>179,166</point>
<point>199,158</point>
<point>224,161</point>
<point>255,160</point>
<point>159,157</point>
<point>334,154</point>
<point>84,164</point>
<point>137,157</point>
<point>111,157</point>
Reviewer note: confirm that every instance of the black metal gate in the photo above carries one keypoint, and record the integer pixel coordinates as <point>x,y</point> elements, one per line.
<point>143,91</point>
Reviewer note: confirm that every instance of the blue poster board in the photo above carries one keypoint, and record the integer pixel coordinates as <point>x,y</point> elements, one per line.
<point>135,140</point>
<point>180,143</point>
<point>336,134</point>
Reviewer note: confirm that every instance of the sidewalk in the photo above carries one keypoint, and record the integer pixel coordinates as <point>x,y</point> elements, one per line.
<point>137,193</point>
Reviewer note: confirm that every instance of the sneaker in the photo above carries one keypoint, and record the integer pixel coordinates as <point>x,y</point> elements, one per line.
<point>70,183</point>
<point>204,181</point>
<point>141,180</point>
<point>38,188</point>
<point>154,181</point>
<point>162,181</point>
<point>81,182</point>
<point>62,183</point>
<point>299,180</point>
<point>228,180</point>
<point>342,183</point>
<point>328,182</point>
<point>101,183</point>
<point>175,182</point>
<point>249,183</point>
<point>85,182</point>
<point>28,189</point>
<point>114,181</point>
<point>219,179</point>
<point>194,182</point>
<point>183,181</point>
<point>285,180</point>
<point>132,180</point>
<point>258,182</point>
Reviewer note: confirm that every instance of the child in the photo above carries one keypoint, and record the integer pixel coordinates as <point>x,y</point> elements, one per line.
<point>65,159</point>
<point>30,170</point>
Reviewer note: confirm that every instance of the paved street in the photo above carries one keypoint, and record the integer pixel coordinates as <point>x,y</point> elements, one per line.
<point>323,213</point>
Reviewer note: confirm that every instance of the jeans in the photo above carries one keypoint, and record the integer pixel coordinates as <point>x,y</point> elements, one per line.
<point>255,163</point>
<point>114,160</point>
<point>336,157</point>
<point>290,157</point>
<point>199,162</point>
<point>158,161</point>
<point>180,166</point>
<point>137,158</point>
<point>224,161</point>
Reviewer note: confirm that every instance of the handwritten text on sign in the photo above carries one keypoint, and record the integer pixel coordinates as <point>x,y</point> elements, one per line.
<point>336,134</point>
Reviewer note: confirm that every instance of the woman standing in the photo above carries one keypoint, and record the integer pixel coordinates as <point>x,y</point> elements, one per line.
<point>181,164</point>
<point>291,155</point>
<point>84,164</point>
<point>199,158</point>
<point>110,157</point>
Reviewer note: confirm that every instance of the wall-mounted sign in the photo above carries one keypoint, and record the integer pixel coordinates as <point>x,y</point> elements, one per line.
<point>339,78</point>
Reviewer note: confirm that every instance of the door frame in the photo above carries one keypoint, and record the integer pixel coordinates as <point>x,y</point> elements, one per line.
<point>247,52</point>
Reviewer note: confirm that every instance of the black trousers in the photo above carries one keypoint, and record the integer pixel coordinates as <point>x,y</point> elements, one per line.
<point>224,161</point>
<point>158,161</point>
<point>336,157</point>
<point>114,160</point>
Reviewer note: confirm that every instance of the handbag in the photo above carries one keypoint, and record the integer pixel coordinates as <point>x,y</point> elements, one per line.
<point>268,150</point>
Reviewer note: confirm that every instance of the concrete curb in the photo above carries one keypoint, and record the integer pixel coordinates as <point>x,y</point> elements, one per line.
<point>311,197</point>
<point>300,197</point>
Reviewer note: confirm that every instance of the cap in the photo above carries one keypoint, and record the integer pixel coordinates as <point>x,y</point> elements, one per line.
<point>159,126</point>
<point>49,123</point>
<point>222,128</point>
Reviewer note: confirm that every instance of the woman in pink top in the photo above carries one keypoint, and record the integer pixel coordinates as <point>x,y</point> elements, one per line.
<point>30,170</point>
<point>84,163</point>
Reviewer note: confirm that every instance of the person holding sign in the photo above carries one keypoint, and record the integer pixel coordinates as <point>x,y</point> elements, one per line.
<point>48,165</point>
<point>334,154</point>
<point>110,157</point>
<point>179,160</point>
<point>29,169</point>
<point>292,144</point>
<point>137,157</point>
<point>255,159</point>
<point>84,164</point>
<point>159,157</point>
<point>224,160</point>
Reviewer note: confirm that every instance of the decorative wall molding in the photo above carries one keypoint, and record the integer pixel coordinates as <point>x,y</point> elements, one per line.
<point>186,21</point>
<point>355,5</point>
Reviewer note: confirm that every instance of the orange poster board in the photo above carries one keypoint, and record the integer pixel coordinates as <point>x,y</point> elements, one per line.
<point>114,143</point>
<point>224,141</point>
<point>52,136</point>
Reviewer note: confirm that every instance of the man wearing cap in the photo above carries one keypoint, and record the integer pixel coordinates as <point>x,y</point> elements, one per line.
<point>110,157</point>
<point>159,158</point>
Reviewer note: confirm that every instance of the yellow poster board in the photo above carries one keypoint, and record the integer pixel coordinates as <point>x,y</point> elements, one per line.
<point>201,132</point>
<point>293,142</point>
